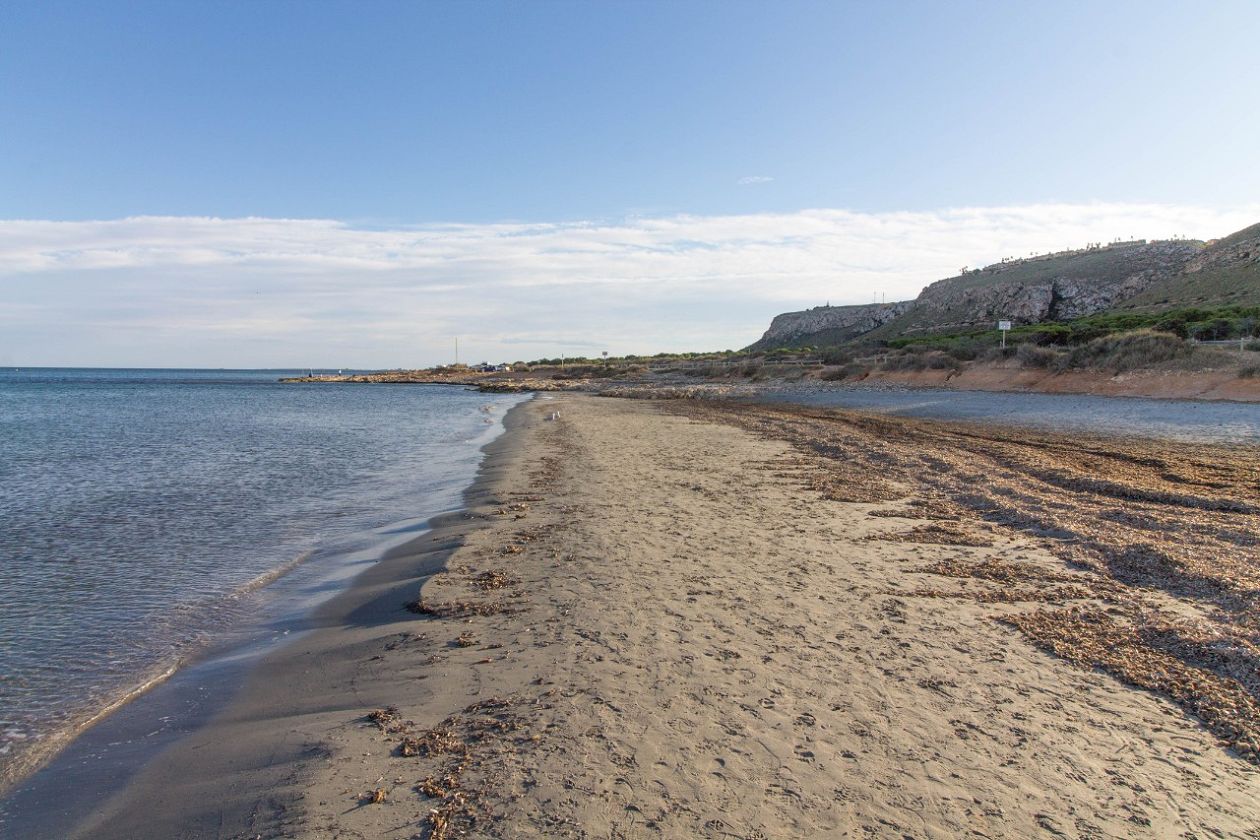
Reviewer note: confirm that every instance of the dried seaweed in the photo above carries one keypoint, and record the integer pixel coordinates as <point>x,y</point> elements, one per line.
<point>459,609</point>
<point>937,533</point>
<point>492,579</point>
<point>1096,639</point>
<point>1144,518</point>
<point>455,746</point>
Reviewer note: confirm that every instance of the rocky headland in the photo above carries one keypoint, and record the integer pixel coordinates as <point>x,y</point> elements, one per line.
<point>1059,287</point>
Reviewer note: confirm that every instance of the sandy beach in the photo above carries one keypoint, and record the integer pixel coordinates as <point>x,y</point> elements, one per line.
<point>682,619</point>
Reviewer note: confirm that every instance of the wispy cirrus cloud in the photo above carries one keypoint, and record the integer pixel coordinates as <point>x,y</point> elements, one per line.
<point>270,292</point>
<point>754,179</point>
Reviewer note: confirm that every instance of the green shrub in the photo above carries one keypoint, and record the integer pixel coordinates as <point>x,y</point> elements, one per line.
<point>904,361</point>
<point>920,358</point>
<point>940,360</point>
<point>1129,351</point>
<point>966,351</point>
<point>1033,356</point>
<point>998,354</point>
<point>853,370</point>
<point>837,356</point>
<point>1049,334</point>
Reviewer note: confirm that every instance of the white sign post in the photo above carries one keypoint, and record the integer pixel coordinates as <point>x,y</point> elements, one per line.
<point>1005,327</point>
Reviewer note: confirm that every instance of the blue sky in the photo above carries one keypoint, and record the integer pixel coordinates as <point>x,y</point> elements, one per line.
<point>395,117</point>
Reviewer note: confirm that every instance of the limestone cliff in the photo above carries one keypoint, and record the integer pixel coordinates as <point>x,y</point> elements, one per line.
<point>1225,273</point>
<point>1054,288</point>
<point>1050,287</point>
<point>828,325</point>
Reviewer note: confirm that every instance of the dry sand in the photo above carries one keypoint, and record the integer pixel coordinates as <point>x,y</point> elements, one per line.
<point>677,620</point>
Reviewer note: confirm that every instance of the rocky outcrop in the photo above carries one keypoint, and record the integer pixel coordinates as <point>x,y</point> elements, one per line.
<point>1241,249</point>
<point>1051,287</point>
<point>1225,273</point>
<point>828,324</point>
<point>1059,290</point>
<point>1032,291</point>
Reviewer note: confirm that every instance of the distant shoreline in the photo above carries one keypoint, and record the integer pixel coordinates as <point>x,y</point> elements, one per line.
<point>1209,385</point>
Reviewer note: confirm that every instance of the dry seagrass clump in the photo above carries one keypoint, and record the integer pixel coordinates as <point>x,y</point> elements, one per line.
<point>920,509</point>
<point>459,609</point>
<point>387,719</point>
<point>937,533</point>
<point>1155,653</point>
<point>474,741</point>
<point>428,742</point>
<point>435,788</point>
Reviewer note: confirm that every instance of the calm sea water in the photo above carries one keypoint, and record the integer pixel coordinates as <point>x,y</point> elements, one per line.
<point>1185,420</point>
<point>141,512</point>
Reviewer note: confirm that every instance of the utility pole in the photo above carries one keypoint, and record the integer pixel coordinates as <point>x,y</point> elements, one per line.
<point>456,349</point>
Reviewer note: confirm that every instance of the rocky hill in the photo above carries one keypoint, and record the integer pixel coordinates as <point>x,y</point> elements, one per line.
<point>828,325</point>
<point>1153,275</point>
<point>1057,287</point>
<point>1225,273</point>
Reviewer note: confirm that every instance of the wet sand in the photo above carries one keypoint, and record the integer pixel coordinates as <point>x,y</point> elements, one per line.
<point>677,619</point>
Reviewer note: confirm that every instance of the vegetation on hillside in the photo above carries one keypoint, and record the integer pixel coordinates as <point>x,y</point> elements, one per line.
<point>1093,268</point>
<point>1102,263</point>
<point>1210,324</point>
<point>1234,285</point>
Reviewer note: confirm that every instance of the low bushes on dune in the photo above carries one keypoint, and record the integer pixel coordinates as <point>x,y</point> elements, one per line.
<point>1033,356</point>
<point>1118,352</point>
<point>853,370</point>
<point>912,360</point>
<point>1129,351</point>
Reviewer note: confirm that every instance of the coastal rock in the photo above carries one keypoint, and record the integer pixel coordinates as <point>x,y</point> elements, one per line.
<point>1047,287</point>
<point>829,324</point>
<point>1241,249</point>
<point>1224,273</point>
<point>1056,287</point>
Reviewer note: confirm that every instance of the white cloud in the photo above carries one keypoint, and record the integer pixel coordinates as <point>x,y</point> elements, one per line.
<point>263,292</point>
<point>754,179</point>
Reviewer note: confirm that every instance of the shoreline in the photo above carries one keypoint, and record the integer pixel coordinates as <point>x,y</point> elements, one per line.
<point>196,653</point>
<point>1208,386</point>
<point>25,808</point>
<point>679,618</point>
